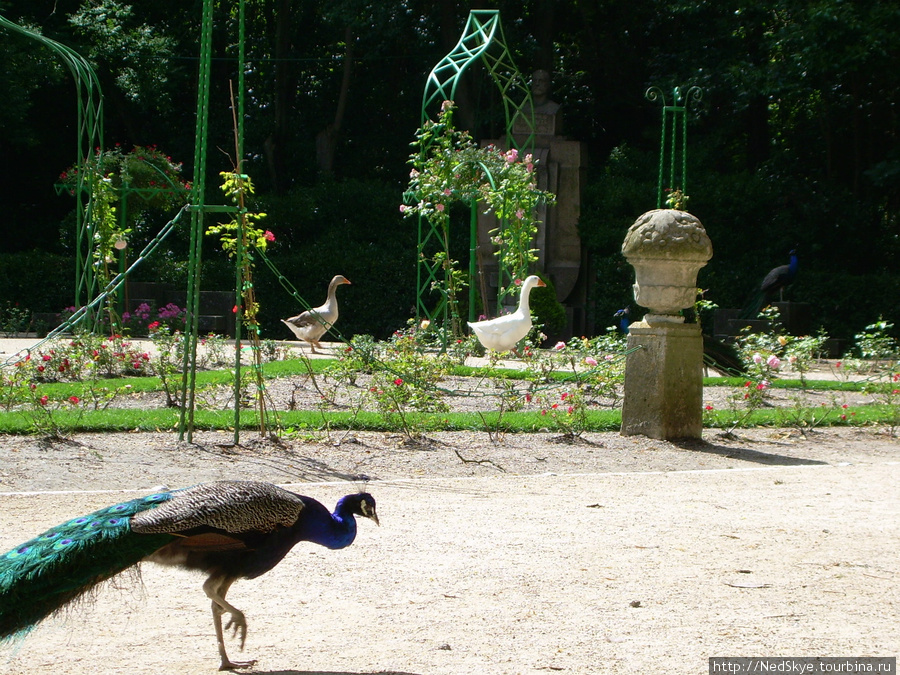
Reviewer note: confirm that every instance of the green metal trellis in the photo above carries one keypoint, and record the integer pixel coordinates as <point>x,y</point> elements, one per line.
<point>482,42</point>
<point>90,136</point>
<point>88,297</point>
<point>199,208</point>
<point>673,139</point>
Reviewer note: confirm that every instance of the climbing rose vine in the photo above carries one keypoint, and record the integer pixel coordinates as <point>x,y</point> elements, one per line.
<point>448,166</point>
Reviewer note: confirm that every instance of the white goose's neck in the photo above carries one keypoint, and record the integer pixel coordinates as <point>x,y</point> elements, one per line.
<point>525,297</point>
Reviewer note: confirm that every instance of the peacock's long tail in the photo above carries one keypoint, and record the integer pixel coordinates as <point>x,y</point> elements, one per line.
<point>46,573</point>
<point>751,310</point>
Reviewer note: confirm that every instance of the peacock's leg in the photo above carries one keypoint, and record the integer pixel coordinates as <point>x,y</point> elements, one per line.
<point>215,588</point>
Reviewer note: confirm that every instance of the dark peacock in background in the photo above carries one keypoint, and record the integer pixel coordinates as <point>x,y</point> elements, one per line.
<point>228,529</point>
<point>772,285</point>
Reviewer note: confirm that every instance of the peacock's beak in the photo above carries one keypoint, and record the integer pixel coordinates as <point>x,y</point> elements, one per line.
<point>374,516</point>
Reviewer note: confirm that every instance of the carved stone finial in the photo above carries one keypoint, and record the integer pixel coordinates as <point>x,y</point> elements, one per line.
<point>666,248</point>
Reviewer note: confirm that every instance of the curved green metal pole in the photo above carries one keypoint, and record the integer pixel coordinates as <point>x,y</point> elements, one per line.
<point>90,136</point>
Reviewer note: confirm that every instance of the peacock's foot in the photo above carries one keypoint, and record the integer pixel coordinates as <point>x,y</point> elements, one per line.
<point>228,664</point>
<point>238,625</point>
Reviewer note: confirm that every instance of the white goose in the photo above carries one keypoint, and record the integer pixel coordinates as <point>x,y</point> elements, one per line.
<point>503,333</point>
<point>311,325</point>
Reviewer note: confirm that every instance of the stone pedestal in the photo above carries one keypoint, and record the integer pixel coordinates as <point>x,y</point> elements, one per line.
<point>663,381</point>
<point>664,373</point>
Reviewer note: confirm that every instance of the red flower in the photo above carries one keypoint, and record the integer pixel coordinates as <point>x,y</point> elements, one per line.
<point>398,381</point>
<point>73,400</point>
<point>44,399</point>
<point>153,326</point>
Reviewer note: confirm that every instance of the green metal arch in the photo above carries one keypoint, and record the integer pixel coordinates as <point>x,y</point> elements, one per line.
<point>90,136</point>
<point>483,42</point>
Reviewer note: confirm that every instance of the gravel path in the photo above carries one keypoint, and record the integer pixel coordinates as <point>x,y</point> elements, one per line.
<point>620,555</point>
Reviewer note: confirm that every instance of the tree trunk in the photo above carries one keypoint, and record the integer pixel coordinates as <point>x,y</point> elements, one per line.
<point>327,139</point>
<point>275,142</point>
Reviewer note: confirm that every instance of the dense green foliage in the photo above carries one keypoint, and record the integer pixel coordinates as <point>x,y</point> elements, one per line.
<point>794,142</point>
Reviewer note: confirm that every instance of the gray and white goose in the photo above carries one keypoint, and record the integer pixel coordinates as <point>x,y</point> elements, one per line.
<point>312,324</point>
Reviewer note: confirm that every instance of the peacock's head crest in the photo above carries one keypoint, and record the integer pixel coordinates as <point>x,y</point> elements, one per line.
<point>362,504</point>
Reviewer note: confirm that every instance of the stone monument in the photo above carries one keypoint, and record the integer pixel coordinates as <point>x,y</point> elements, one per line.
<point>561,166</point>
<point>664,366</point>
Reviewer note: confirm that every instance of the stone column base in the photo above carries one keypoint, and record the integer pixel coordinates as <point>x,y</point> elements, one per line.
<point>664,381</point>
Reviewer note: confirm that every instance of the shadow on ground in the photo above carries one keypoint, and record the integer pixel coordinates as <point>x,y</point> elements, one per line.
<point>745,454</point>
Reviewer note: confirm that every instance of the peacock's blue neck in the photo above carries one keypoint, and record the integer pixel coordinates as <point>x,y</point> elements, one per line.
<point>331,530</point>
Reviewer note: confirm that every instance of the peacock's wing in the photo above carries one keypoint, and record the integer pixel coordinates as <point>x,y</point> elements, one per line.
<point>42,575</point>
<point>228,506</point>
<point>776,278</point>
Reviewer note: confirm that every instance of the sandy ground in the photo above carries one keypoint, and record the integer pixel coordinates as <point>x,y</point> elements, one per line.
<point>617,556</point>
<point>529,555</point>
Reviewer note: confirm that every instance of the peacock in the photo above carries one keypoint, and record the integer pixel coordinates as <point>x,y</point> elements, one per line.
<point>774,282</point>
<point>228,529</point>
